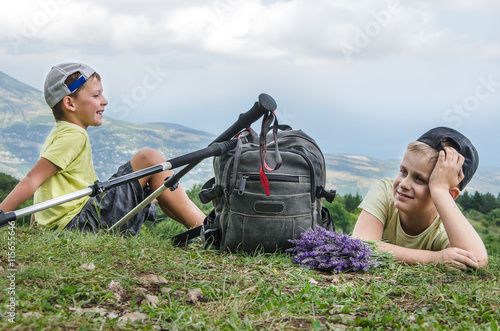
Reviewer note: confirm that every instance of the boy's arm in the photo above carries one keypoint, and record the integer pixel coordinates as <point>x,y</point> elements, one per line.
<point>369,227</point>
<point>39,174</point>
<point>443,187</point>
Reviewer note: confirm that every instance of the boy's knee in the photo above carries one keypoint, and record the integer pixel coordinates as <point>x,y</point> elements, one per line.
<point>149,156</point>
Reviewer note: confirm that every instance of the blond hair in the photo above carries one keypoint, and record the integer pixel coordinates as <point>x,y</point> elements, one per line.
<point>423,149</point>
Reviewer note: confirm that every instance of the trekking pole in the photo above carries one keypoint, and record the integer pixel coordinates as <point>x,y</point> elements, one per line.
<point>11,216</point>
<point>265,104</point>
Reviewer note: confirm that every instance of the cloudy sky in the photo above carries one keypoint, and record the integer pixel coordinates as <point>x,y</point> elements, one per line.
<point>361,77</point>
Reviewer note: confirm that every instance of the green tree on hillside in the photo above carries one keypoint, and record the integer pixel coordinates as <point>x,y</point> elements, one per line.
<point>7,184</point>
<point>484,203</point>
<point>352,202</point>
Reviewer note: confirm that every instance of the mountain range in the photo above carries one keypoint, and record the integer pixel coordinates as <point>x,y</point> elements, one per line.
<point>25,121</point>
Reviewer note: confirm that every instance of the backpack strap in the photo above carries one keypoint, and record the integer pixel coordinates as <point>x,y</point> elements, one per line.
<point>282,127</point>
<point>208,233</point>
<point>266,125</point>
<point>211,238</point>
<point>188,237</point>
<point>327,219</point>
<point>245,137</point>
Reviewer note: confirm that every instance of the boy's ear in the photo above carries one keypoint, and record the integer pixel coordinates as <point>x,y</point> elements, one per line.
<point>67,102</point>
<point>455,192</point>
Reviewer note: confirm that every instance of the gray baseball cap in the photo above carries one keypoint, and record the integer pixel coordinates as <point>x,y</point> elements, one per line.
<point>55,89</point>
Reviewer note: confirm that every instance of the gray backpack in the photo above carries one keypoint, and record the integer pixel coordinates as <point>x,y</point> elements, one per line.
<point>258,207</point>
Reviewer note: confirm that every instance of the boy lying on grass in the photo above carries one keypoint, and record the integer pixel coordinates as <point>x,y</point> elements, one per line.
<point>415,215</point>
<point>75,94</point>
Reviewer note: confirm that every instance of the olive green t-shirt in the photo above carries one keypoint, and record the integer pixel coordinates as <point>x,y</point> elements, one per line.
<point>68,147</point>
<point>379,202</point>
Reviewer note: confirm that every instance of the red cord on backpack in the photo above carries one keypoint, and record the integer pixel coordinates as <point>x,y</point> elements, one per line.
<point>266,124</point>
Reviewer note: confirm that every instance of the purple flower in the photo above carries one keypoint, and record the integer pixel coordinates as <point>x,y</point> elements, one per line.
<point>116,289</point>
<point>332,251</point>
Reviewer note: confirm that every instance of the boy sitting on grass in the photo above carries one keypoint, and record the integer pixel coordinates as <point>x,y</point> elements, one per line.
<point>75,94</point>
<point>415,215</point>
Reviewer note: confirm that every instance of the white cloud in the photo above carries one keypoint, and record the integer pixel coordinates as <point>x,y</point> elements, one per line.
<point>492,51</point>
<point>299,31</point>
<point>480,5</point>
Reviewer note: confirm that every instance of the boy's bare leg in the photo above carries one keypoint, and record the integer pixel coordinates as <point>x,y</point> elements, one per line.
<point>175,204</point>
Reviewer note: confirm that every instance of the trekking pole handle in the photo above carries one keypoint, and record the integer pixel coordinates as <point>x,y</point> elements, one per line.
<point>215,149</point>
<point>265,104</point>
<point>6,218</point>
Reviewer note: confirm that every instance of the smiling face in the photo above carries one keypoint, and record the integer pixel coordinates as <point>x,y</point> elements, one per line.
<point>87,108</point>
<point>411,185</point>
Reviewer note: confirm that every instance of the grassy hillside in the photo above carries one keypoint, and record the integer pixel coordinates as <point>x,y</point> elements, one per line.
<point>18,102</point>
<point>72,281</point>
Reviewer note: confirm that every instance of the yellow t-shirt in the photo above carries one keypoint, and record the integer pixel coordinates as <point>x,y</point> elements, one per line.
<point>379,202</point>
<point>68,147</point>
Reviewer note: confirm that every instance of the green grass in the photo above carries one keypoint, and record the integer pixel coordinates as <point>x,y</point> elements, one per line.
<point>235,292</point>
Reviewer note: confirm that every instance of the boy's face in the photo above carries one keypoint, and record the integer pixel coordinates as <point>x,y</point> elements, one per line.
<point>89,104</point>
<point>411,185</point>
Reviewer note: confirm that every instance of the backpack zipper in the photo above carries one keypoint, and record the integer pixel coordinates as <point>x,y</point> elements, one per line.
<point>309,163</point>
<point>271,177</point>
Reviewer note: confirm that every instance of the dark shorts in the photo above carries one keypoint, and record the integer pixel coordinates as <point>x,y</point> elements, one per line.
<point>104,210</point>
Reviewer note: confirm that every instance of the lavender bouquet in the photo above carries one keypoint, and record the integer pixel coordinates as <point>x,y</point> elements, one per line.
<point>333,251</point>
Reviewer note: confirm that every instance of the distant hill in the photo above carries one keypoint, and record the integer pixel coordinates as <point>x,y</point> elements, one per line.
<point>25,121</point>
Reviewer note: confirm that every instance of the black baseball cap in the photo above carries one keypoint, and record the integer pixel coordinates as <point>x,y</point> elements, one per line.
<point>450,137</point>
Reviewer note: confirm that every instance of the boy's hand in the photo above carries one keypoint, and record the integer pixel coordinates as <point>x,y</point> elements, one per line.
<point>447,173</point>
<point>456,257</point>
